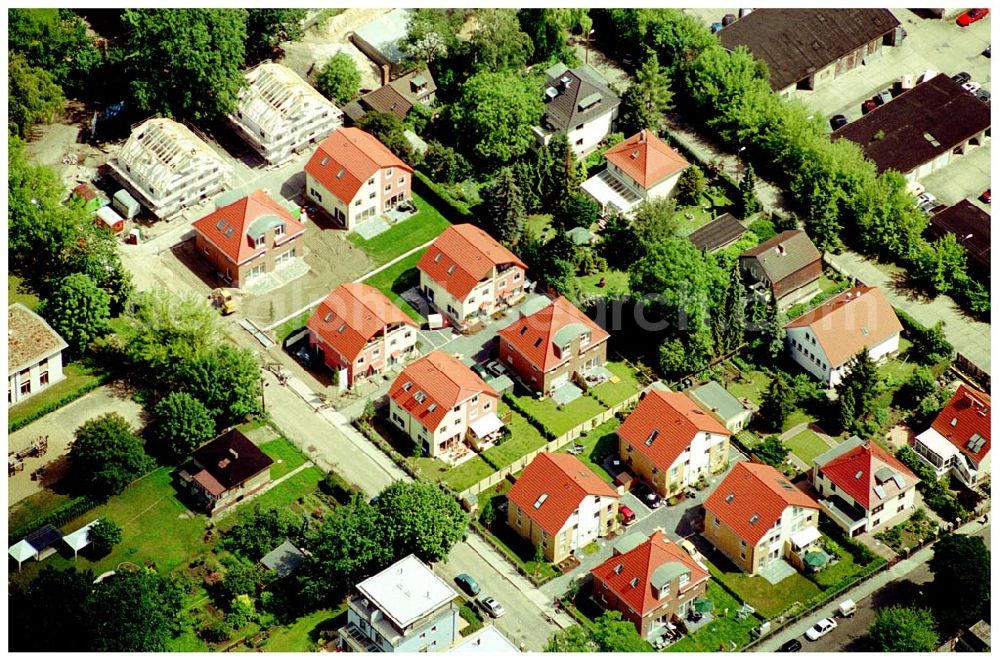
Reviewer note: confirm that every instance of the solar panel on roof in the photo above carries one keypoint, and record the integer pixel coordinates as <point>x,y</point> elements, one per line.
<point>900,482</point>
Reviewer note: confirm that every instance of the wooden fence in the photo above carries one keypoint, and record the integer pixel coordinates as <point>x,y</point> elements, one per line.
<point>551,446</point>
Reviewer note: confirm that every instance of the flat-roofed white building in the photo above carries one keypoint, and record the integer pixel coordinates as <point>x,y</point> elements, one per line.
<point>406,608</point>
<point>278,112</point>
<point>166,167</point>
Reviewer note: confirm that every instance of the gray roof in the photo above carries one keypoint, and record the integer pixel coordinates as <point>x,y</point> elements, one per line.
<point>784,254</point>
<point>630,542</point>
<point>583,96</point>
<point>844,447</point>
<point>796,43</point>
<point>719,233</point>
<point>386,31</point>
<point>284,559</point>
<point>715,398</point>
<point>534,303</point>
<point>667,572</point>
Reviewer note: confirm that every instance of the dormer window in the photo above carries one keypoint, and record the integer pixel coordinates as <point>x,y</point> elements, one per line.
<point>437,258</point>
<point>451,269</point>
<point>407,386</point>
<point>619,568</point>
<point>634,582</point>
<point>260,241</point>
<point>420,396</point>
<point>279,230</point>
<point>584,339</point>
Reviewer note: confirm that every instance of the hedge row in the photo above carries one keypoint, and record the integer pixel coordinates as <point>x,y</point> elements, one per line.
<point>369,431</point>
<point>534,421</point>
<point>455,211</point>
<point>59,403</point>
<point>57,517</point>
<point>481,531</point>
<point>916,329</point>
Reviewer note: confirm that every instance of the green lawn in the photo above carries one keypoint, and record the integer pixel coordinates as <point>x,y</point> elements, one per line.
<point>615,283</point>
<point>468,473</point>
<point>290,490</point>
<point>716,202</point>
<point>404,236</point>
<point>539,225</point>
<point>611,394</point>
<point>844,568</point>
<point>34,507</point>
<point>806,445</point>
<point>79,375</point>
<point>768,599</point>
<point>724,630</point>
<point>524,438</point>
<point>521,552</point>
<point>557,420</point>
<point>598,444</point>
<point>19,292</point>
<point>285,455</point>
<point>755,389</point>
<point>396,279</point>
<point>303,634</point>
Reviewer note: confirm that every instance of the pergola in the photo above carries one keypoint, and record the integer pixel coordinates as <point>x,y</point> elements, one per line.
<point>79,539</point>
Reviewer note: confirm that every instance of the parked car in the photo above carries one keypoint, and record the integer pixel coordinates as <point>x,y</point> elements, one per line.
<point>926,201</point>
<point>304,356</point>
<point>716,27</point>
<point>868,106</point>
<point>468,583</point>
<point>627,514</point>
<point>728,19</point>
<point>970,16</point>
<point>983,95</point>
<point>820,628</point>
<point>882,97</point>
<point>791,646</point>
<point>986,51</point>
<point>962,77</point>
<point>838,121</point>
<point>647,495</point>
<point>972,86</point>
<point>985,197</point>
<point>492,607</point>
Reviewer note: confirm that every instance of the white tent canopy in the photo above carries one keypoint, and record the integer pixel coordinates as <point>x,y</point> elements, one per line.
<point>22,550</point>
<point>804,537</point>
<point>486,425</point>
<point>79,539</point>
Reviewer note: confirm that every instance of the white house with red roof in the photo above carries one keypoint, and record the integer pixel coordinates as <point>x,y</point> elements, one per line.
<point>438,402</point>
<point>670,442</point>
<point>862,486</point>
<point>248,238</point>
<point>641,168</point>
<point>651,580</point>
<point>354,177</point>
<point>551,343</point>
<point>958,440</point>
<point>357,332</point>
<point>560,504</point>
<point>823,340</point>
<point>468,275</point>
<point>756,517</point>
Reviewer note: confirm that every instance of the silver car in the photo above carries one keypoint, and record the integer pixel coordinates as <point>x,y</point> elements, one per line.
<point>492,607</point>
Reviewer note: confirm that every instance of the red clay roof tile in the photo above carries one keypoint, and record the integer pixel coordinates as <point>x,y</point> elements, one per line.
<point>471,251</point>
<point>674,418</point>
<point>646,158</point>
<point>226,228</point>
<point>444,380</point>
<point>970,410</point>
<point>351,315</point>
<point>533,336</point>
<point>347,158</point>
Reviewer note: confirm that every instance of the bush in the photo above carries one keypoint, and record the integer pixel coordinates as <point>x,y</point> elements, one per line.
<point>453,210</point>
<point>339,488</point>
<point>470,615</point>
<point>56,405</point>
<point>216,631</point>
<point>534,421</point>
<point>764,229</point>
<point>57,517</point>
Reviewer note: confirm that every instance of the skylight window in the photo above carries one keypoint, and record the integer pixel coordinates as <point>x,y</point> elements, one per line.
<point>451,269</point>
<point>420,396</point>
<point>652,437</point>
<point>437,257</point>
<point>634,582</point>
<point>229,231</point>
<point>340,174</point>
<point>407,385</point>
<point>326,159</point>
<point>343,326</point>
<point>328,317</point>
<point>754,518</point>
<point>730,497</point>
<point>619,568</point>
<point>541,500</point>
<point>524,330</point>
<point>857,475</point>
<point>432,407</point>
<point>221,223</point>
<point>538,342</point>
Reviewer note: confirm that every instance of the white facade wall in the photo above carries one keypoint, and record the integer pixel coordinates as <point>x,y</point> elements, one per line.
<point>32,376</point>
<point>665,188</point>
<point>312,124</point>
<point>584,138</point>
<point>697,455</point>
<point>365,204</point>
<point>588,520</point>
<point>800,344</point>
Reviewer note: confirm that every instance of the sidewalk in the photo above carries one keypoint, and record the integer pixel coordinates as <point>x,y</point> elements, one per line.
<point>859,593</point>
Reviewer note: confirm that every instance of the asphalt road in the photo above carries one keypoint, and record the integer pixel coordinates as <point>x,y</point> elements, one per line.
<point>851,634</point>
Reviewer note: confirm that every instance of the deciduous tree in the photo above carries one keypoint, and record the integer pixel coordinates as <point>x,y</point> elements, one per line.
<point>226,379</point>
<point>420,518</point>
<point>498,43</point>
<point>904,629</point>
<point>571,640</point>
<point>259,530</point>
<point>78,310</point>
<point>390,131</point>
<point>613,635</point>
<point>339,78</point>
<point>961,565</point>
<point>56,600</point>
<point>182,424</point>
<point>107,455</point>
<point>266,28</point>
<point>186,62</point>
<point>772,451</point>
<point>163,329</point>
<point>104,536</point>
<point>495,113</point>
<point>135,612</point>
<point>33,96</point>
<point>56,41</point>
<point>691,185</point>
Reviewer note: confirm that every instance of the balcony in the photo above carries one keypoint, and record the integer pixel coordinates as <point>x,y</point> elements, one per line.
<point>356,640</point>
<point>851,518</point>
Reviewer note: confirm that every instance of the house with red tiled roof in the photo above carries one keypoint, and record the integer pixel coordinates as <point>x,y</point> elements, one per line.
<point>468,275</point>
<point>756,516</point>
<point>357,332</point>
<point>560,504</point>
<point>353,177</point>
<point>652,581</point>
<point>670,442</point>
<point>248,238</point>
<point>958,440</point>
<point>641,168</point>
<point>823,341</point>
<point>862,486</point>
<point>438,402</point>
<point>552,343</point>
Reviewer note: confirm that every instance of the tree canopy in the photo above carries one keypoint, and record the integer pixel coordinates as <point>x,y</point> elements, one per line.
<point>495,113</point>
<point>778,403</point>
<point>389,130</point>
<point>33,96</point>
<point>266,28</point>
<point>186,63</point>
<point>107,455</point>
<point>54,41</point>
<point>104,536</point>
<point>647,100</point>
<point>226,379</point>
<point>857,392</point>
<point>339,79</point>
<point>78,310</point>
<point>258,531</point>
<point>498,43</point>
<point>961,565</point>
<point>772,451</point>
<point>504,205</point>
<point>182,424</point>
<point>904,629</point>
<point>420,518</point>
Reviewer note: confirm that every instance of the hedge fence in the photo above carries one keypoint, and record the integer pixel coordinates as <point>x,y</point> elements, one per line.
<point>453,210</point>
<point>57,517</point>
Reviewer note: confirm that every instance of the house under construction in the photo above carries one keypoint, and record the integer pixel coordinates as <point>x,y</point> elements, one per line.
<point>278,112</point>
<point>167,167</point>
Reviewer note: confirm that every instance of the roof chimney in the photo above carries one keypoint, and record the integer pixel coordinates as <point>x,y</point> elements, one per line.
<point>781,249</point>
<point>385,74</point>
<point>234,454</point>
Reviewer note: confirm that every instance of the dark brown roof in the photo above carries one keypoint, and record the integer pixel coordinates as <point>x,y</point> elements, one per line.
<point>717,234</point>
<point>584,97</point>
<point>231,458</point>
<point>783,257</point>
<point>918,125</point>
<point>796,43</point>
<point>386,99</point>
<point>397,98</point>
<point>971,227</point>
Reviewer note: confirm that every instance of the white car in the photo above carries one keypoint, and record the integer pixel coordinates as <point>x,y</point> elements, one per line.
<point>820,628</point>
<point>926,201</point>
<point>492,607</point>
<point>972,86</point>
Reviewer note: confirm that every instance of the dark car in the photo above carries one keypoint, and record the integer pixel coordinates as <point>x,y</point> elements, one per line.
<point>838,121</point>
<point>305,357</point>
<point>716,27</point>
<point>985,197</point>
<point>882,97</point>
<point>986,51</point>
<point>468,583</point>
<point>983,95</point>
<point>791,646</point>
<point>728,19</point>
<point>971,16</point>
<point>868,106</point>
<point>647,495</point>
<point>962,77</point>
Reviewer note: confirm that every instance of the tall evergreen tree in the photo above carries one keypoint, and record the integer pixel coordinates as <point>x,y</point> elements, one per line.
<point>778,403</point>
<point>729,321</point>
<point>504,206</point>
<point>748,199</point>
<point>857,392</point>
<point>646,102</point>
